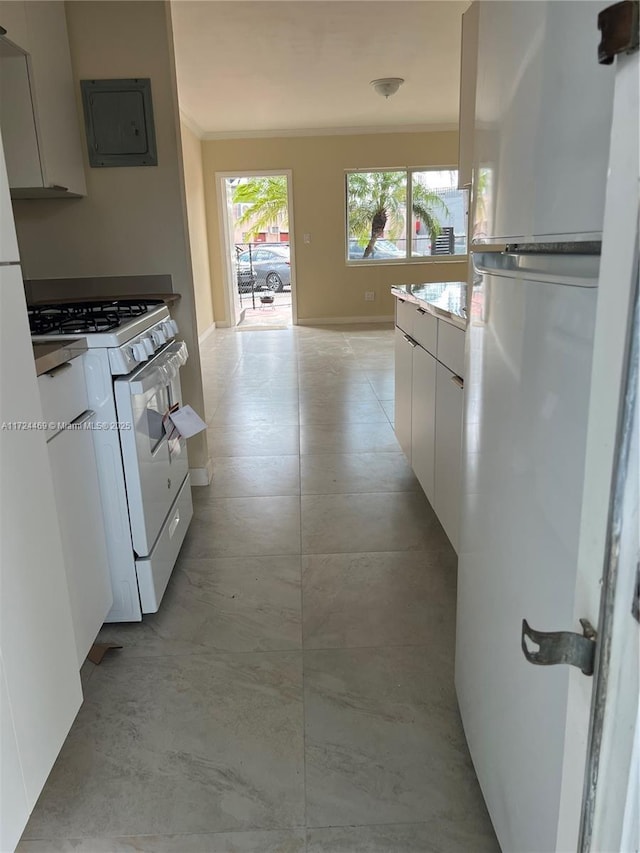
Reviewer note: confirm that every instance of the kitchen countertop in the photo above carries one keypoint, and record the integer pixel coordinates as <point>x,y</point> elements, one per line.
<point>444,299</point>
<point>48,356</point>
<point>168,298</point>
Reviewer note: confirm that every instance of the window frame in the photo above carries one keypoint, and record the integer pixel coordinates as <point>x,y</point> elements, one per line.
<point>408,259</point>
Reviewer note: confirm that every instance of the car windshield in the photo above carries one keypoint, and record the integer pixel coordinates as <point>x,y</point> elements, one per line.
<point>256,255</point>
<point>382,248</point>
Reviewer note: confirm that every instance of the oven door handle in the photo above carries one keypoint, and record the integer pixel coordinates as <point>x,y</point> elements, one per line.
<point>160,371</point>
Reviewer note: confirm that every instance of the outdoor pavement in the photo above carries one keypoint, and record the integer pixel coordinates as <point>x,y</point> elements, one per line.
<point>276,315</point>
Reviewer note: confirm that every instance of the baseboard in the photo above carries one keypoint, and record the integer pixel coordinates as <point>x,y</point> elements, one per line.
<point>203,337</point>
<point>344,321</point>
<point>222,324</point>
<point>202,476</point>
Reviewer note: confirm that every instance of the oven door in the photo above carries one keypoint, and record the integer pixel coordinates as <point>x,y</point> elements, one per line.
<point>155,466</point>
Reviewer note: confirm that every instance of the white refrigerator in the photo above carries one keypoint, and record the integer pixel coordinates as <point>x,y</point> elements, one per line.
<point>541,137</point>
<point>40,691</point>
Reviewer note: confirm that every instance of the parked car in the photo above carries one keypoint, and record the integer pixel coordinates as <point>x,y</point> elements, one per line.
<point>271,267</point>
<point>246,278</point>
<point>382,250</point>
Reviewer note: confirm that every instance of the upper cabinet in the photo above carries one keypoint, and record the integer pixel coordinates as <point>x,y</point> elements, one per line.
<point>468,75</point>
<point>38,112</point>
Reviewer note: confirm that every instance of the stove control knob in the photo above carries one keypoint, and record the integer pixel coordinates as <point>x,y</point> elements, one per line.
<point>139,352</point>
<point>158,336</point>
<point>168,329</point>
<point>173,326</point>
<point>148,344</point>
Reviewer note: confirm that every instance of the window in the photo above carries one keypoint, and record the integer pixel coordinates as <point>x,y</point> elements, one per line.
<point>405,214</point>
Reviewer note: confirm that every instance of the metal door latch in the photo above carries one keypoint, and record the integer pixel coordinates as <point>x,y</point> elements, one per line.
<point>562,646</point>
<point>619,27</point>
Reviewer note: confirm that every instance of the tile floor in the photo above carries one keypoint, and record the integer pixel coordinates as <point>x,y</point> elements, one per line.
<point>295,692</point>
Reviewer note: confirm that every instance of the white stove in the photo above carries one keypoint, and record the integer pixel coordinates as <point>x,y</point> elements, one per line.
<point>132,372</point>
<point>132,331</point>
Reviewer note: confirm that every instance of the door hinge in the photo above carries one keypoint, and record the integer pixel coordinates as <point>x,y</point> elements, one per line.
<point>619,27</point>
<point>562,646</point>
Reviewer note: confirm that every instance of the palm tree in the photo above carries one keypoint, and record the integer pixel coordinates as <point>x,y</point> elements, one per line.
<point>377,200</point>
<point>267,198</point>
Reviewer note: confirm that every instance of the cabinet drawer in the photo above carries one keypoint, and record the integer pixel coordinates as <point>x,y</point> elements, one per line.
<point>451,347</point>
<point>63,393</point>
<point>405,313</point>
<point>155,570</point>
<point>425,330</point>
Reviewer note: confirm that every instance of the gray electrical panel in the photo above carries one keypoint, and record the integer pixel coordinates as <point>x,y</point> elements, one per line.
<point>118,116</point>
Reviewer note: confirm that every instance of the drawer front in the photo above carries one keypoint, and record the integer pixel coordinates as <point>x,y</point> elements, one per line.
<point>405,313</point>
<point>425,330</point>
<point>155,570</point>
<point>63,393</point>
<point>451,347</point>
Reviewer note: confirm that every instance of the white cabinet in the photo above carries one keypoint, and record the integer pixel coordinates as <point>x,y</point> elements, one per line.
<point>405,316</point>
<point>448,445</point>
<point>38,113</point>
<point>42,690</point>
<point>404,347</point>
<point>423,423</point>
<point>14,805</point>
<point>451,347</point>
<point>78,502</point>
<point>429,366</point>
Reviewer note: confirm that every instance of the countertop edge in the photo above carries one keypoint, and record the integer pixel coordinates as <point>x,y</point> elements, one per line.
<point>440,313</point>
<point>167,298</point>
<point>53,355</point>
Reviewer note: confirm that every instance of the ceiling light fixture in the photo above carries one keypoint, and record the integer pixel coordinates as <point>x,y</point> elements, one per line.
<point>387,86</point>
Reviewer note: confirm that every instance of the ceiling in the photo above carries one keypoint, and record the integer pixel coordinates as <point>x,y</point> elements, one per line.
<point>255,68</point>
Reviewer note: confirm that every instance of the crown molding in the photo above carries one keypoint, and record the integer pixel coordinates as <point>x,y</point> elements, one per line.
<point>193,125</point>
<point>328,131</point>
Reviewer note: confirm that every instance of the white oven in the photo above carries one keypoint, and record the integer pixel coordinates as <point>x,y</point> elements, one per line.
<point>156,468</point>
<point>132,373</point>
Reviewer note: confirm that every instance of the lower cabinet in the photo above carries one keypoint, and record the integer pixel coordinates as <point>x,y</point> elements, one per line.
<point>448,442</point>
<point>40,685</point>
<point>77,493</point>
<point>423,420</point>
<point>428,417</point>
<point>404,349</point>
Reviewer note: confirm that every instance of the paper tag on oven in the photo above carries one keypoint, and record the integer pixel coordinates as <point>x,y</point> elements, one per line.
<point>187,422</point>
<point>172,432</point>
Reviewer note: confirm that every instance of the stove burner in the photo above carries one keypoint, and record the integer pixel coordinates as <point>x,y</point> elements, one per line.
<point>73,318</point>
